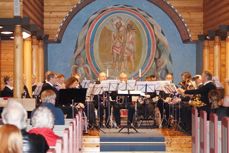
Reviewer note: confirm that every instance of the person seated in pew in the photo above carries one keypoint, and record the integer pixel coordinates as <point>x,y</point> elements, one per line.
<point>14,113</point>
<point>10,139</point>
<point>43,123</point>
<point>8,89</point>
<point>48,99</point>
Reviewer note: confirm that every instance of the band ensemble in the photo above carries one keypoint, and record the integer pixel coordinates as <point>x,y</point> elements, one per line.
<point>165,105</point>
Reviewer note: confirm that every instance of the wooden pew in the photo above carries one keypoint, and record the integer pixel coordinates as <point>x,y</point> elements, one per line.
<point>195,133</point>
<point>66,141</point>
<point>52,150</point>
<point>225,134</point>
<point>213,134</point>
<point>203,132</point>
<point>59,146</point>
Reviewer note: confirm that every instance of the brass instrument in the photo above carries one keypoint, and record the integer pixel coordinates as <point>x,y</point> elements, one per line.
<point>196,102</point>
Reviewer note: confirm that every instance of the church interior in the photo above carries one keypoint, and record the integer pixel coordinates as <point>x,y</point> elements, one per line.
<point>90,76</point>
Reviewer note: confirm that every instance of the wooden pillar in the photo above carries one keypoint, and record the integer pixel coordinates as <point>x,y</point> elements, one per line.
<point>217,57</point>
<point>206,55</point>
<point>28,64</point>
<point>35,63</point>
<point>41,61</point>
<point>226,99</point>
<point>18,62</point>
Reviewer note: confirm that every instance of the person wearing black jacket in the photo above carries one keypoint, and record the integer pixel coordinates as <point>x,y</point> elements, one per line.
<point>50,82</point>
<point>8,89</point>
<point>204,90</point>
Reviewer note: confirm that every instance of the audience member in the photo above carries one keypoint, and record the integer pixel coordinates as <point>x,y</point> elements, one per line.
<point>48,98</point>
<point>15,114</point>
<point>10,139</point>
<point>43,122</point>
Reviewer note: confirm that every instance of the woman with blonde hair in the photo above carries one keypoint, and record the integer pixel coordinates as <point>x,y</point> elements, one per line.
<point>10,139</point>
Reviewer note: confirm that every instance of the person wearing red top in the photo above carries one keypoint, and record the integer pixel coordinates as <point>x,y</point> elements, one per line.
<point>42,123</point>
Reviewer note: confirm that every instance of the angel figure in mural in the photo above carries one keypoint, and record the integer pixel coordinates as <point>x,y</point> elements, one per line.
<point>130,47</point>
<point>83,68</point>
<point>118,43</point>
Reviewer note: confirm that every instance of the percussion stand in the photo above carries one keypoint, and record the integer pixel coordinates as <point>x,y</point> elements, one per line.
<point>99,108</point>
<point>178,125</point>
<point>164,119</point>
<point>88,108</point>
<point>128,126</point>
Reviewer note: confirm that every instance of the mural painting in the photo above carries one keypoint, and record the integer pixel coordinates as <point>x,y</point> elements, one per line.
<point>122,39</point>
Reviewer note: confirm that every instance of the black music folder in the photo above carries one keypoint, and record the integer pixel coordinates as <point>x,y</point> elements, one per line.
<point>67,96</point>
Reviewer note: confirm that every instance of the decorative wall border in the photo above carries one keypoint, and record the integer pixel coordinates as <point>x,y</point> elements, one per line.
<point>167,7</point>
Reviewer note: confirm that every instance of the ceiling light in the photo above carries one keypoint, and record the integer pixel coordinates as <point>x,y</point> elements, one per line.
<point>207,37</point>
<point>11,37</point>
<point>1,27</point>
<point>25,34</point>
<point>6,32</point>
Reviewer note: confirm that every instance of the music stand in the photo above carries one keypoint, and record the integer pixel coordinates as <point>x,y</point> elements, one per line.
<point>70,97</point>
<point>130,85</point>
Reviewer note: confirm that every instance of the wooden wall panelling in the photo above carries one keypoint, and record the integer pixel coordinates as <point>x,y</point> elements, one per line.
<point>35,11</point>
<point>7,57</point>
<point>223,62</point>
<point>7,8</point>
<point>211,56</point>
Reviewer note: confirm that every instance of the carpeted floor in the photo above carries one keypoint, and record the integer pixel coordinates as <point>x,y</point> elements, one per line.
<point>147,140</point>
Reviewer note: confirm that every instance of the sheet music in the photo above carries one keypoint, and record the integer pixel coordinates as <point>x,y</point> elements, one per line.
<point>98,89</point>
<point>85,83</point>
<point>122,86</point>
<point>90,90</point>
<point>131,84</point>
<point>110,85</point>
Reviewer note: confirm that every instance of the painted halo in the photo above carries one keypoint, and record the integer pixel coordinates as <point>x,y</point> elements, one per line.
<point>99,41</point>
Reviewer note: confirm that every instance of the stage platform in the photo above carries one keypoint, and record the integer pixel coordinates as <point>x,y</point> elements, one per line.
<point>146,140</point>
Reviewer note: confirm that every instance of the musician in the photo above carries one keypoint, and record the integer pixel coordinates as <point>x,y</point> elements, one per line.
<point>198,81</point>
<point>204,90</point>
<point>169,77</point>
<point>126,100</point>
<point>60,82</point>
<point>50,82</point>
<point>100,103</point>
<point>216,98</point>
<point>186,82</point>
<point>8,89</point>
<point>72,83</point>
